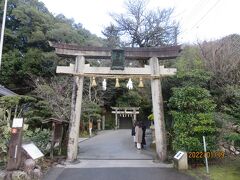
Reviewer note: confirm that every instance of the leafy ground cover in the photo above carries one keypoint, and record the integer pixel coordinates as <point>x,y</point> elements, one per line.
<point>226,169</point>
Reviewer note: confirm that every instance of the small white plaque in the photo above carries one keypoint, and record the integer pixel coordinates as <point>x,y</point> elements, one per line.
<point>17,122</point>
<point>32,150</point>
<point>179,155</point>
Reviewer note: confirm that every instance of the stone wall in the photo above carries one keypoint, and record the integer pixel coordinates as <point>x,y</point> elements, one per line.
<point>230,148</point>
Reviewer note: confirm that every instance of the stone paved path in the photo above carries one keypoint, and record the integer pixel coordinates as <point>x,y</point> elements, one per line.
<point>111,155</point>
<point>118,174</point>
<point>114,144</point>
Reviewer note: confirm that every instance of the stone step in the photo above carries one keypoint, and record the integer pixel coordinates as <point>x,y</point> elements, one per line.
<point>116,163</point>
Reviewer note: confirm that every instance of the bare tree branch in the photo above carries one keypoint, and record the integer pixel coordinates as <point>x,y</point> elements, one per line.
<point>146,28</point>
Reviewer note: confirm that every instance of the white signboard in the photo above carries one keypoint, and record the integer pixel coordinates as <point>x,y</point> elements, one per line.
<point>17,123</point>
<point>32,150</point>
<point>179,155</point>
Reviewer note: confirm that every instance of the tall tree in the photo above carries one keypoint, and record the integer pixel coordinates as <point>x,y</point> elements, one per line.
<point>113,36</point>
<point>57,93</point>
<point>222,58</point>
<point>26,53</point>
<point>146,28</point>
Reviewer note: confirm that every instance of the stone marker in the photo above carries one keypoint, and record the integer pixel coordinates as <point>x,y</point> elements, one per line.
<point>99,124</point>
<point>181,160</point>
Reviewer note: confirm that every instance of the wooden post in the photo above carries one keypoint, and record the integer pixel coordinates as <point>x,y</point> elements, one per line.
<point>53,139</point>
<point>61,140</point>
<point>15,149</point>
<point>75,110</point>
<point>157,101</point>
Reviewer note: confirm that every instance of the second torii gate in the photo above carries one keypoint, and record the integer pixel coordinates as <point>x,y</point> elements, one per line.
<point>152,71</point>
<point>125,111</point>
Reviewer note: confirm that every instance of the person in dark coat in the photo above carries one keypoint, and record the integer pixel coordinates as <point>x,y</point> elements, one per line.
<point>143,135</point>
<point>134,133</point>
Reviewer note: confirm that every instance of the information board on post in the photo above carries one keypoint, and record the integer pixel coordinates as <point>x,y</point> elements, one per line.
<point>17,123</point>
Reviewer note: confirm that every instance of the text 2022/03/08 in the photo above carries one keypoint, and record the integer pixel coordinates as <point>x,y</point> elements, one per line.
<point>214,154</point>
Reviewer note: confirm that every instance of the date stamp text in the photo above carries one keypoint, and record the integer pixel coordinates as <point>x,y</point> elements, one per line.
<point>214,154</point>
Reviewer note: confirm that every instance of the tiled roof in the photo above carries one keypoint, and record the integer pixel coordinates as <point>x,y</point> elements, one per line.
<point>6,92</point>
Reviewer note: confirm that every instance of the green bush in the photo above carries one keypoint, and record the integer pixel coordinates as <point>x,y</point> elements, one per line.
<point>232,101</point>
<point>192,112</point>
<point>84,134</point>
<point>232,137</point>
<point>5,135</point>
<point>40,138</point>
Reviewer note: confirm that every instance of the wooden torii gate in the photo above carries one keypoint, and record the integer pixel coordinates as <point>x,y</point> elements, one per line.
<point>152,71</point>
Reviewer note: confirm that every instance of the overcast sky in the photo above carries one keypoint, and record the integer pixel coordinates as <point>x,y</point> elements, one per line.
<point>199,19</point>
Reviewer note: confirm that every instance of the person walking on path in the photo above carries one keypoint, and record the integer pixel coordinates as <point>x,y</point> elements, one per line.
<point>90,125</point>
<point>143,135</point>
<point>138,134</point>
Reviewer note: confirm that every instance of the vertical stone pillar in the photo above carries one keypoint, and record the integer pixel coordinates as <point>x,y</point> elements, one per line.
<point>157,102</point>
<point>103,122</point>
<point>134,115</point>
<point>99,124</point>
<point>75,110</point>
<point>116,120</point>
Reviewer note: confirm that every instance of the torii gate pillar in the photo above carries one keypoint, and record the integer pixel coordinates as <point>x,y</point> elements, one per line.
<point>72,148</point>
<point>157,102</point>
